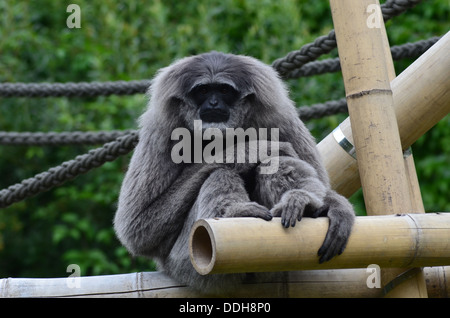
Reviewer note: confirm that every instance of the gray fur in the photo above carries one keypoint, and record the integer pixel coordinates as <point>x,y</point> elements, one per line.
<point>160,200</point>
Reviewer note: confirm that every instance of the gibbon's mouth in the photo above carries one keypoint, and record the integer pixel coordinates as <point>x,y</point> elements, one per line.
<point>216,116</point>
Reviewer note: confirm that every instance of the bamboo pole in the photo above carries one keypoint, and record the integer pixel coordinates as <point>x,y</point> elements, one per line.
<point>370,105</point>
<point>416,196</point>
<point>316,283</point>
<point>134,285</point>
<point>233,245</point>
<point>415,283</point>
<point>438,281</point>
<point>410,169</point>
<point>415,286</point>
<point>367,71</point>
<point>421,99</point>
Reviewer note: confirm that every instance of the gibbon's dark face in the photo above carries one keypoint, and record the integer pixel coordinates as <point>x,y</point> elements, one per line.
<point>215,88</point>
<point>214,101</point>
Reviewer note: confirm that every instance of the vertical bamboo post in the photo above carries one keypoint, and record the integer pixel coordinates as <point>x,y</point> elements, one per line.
<point>410,169</point>
<point>414,286</point>
<point>370,104</point>
<point>361,39</point>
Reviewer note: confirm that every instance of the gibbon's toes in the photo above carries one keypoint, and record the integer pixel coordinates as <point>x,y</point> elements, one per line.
<point>290,209</point>
<point>289,214</point>
<point>251,209</point>
<point>258,211</point>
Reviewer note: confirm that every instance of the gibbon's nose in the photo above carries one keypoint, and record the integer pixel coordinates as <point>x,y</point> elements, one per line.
<point>213,101</point>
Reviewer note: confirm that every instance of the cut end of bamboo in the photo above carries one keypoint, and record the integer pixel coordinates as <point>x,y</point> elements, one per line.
<point>202,248</point>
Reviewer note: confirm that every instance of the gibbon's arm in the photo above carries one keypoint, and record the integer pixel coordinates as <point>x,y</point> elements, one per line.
<point>143,228</point>
<point>143,222</point>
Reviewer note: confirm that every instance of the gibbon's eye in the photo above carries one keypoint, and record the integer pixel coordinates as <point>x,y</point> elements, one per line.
<point>203,90</point>
<point>224,89</point>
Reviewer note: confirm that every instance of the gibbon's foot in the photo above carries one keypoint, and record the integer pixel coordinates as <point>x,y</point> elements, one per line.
<point>249,209</point>
<point>292,206</point>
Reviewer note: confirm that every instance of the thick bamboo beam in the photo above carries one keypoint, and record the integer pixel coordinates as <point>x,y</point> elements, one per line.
<point>233,245</point>
<point>367,71</point>
<point>370,105</point>
<point>411,174</point>
<point>421,99</point>
<point>134,285</point>
<point>316,283</point>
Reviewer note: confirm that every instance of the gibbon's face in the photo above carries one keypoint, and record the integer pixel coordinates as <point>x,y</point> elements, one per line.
<point>219,90</point>
<point>214,101</point>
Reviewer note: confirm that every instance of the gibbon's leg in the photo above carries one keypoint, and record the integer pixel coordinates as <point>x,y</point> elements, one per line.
<point>223,194</point>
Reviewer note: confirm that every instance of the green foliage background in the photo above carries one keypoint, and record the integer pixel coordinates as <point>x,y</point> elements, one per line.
<point>127,40</point>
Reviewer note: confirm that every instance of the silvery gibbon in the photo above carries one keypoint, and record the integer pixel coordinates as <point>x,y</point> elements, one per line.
<point>161,198</point>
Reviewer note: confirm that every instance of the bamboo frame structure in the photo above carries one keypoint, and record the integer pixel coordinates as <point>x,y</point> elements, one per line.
<point>432,107</point>
<point>423,82</point>
<point>370,104</point>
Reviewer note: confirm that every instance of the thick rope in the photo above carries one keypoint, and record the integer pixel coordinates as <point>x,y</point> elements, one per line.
<point>408,50</point>
<point>83,89</point>
<point>100,137</point>
<point>392,8</point>
<point>326,43</point>
<point>59,138</point>
<point>68,170</point>
<point>329,108</point>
